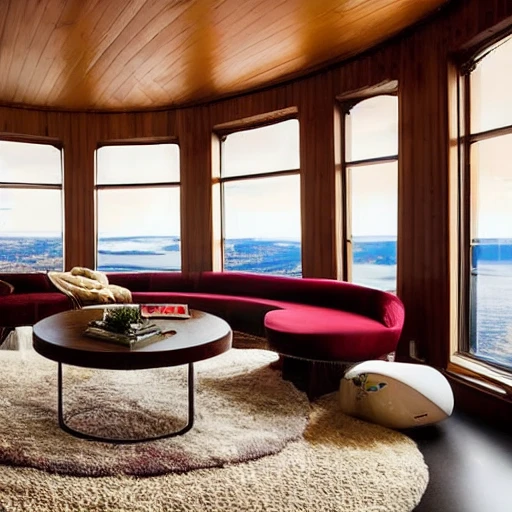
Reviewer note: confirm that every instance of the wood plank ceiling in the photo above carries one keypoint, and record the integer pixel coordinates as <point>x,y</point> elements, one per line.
<point>147,54</point>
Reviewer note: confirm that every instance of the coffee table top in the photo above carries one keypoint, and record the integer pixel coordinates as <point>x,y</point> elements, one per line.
<point>60,338</point>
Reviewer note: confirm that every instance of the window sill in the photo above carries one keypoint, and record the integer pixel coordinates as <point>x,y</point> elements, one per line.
<point>481,375</point>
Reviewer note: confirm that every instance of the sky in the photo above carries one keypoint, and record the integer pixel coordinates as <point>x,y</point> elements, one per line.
<point>491,107</point>
<point>264,207</point>
<point>139,211</point>
<point>30,211</point>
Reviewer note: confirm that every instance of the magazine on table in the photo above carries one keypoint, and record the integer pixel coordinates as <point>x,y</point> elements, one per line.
<point>164,311</point>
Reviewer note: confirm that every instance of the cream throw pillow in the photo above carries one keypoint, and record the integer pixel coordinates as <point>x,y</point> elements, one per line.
<point>90,274</point>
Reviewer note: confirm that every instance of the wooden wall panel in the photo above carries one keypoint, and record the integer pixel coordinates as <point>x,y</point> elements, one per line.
<point>144,126</point>
<point>255,104</point>
<point>31,123</point>
<point>195,137</point>
<point>370,70</point>
<point>423,251</point>
<point>320,183</point>
<point>468,21</point>
<point>79,221</point>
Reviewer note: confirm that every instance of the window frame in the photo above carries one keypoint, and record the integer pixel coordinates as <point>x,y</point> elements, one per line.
<point>129,186</point>
<point>345,106</point>
<point>492,376</point>
<point>219,181</point>
<point>23,185</point>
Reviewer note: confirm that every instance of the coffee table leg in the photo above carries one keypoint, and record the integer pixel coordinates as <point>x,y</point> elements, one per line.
<point>83,435</point>
<point>191,411</point>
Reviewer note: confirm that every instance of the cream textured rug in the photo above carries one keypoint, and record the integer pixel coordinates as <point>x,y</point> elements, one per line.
<point>340,464</point>
<point>244,410</point>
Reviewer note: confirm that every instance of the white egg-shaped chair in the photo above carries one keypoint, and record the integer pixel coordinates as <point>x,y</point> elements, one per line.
<point>396,395</point>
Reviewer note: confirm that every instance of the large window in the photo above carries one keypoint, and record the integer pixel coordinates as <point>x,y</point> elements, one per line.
<point>370,196</point>
<point>138,207</point>
<point>260,192</point>
<point>487,206</point>
<point>30,207</point>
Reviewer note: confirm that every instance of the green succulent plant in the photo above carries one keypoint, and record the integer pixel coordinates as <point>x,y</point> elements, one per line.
<point>120,319</point>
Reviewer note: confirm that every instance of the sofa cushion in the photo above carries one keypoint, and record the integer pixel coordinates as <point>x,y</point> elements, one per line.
<point>5,288</point>
<point>326,334</point>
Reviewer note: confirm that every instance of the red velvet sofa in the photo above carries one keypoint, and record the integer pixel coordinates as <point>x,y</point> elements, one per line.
<point>314,319</point>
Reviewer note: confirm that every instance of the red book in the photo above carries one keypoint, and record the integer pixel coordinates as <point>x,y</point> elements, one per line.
<point>164,311</point>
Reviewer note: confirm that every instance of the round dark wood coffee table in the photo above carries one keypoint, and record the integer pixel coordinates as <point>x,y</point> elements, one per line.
<point>60,338</point>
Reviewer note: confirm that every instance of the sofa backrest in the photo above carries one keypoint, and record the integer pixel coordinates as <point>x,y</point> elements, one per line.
<point>153,281</point>
<point>381,306</point>
<point>31,282</point>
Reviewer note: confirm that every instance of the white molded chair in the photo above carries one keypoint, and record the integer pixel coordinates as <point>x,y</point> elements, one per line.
<point>396,395</point>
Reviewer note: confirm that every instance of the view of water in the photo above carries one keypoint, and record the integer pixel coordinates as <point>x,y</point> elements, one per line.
<point>138,254</point>
<point>492,318</point>
<point>374,266</point>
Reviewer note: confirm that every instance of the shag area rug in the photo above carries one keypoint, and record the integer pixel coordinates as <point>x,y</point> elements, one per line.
<point>338,464</point>
<point>244,410</point>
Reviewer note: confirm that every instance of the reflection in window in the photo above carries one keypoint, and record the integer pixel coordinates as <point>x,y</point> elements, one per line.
<point>261,214</point>
<point>488,192</point>
<point>30,207</point>
<point>371,181</point>
<point>138,207</point>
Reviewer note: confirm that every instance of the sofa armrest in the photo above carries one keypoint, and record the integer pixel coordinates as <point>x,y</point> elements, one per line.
<point>30,282</point>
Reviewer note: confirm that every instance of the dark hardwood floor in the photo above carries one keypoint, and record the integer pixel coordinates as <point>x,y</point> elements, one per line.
<point>470,465</point>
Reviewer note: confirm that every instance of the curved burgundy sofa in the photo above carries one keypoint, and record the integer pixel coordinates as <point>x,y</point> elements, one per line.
<point>315,319</point>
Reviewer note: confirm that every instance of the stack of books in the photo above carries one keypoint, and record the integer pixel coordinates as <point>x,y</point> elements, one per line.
<point>131,326</point>
<point>133,337</point>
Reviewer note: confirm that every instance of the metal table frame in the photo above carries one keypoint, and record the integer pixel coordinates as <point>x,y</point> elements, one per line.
<point>84,435</point>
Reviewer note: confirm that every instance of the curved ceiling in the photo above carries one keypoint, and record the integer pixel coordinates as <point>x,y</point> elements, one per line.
<point>146,54</point>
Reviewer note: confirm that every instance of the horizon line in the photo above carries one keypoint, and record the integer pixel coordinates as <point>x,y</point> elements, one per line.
<point>377,238</point>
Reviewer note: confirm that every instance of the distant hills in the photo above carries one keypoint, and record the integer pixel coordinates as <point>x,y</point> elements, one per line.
<point>374,252</point>
<point>247,254</point>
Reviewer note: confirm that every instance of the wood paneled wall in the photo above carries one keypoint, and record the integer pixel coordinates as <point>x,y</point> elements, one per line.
<point>424,278</point>
<point>196,189</point>
<point>321,209</point>
<point>418,60</point>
